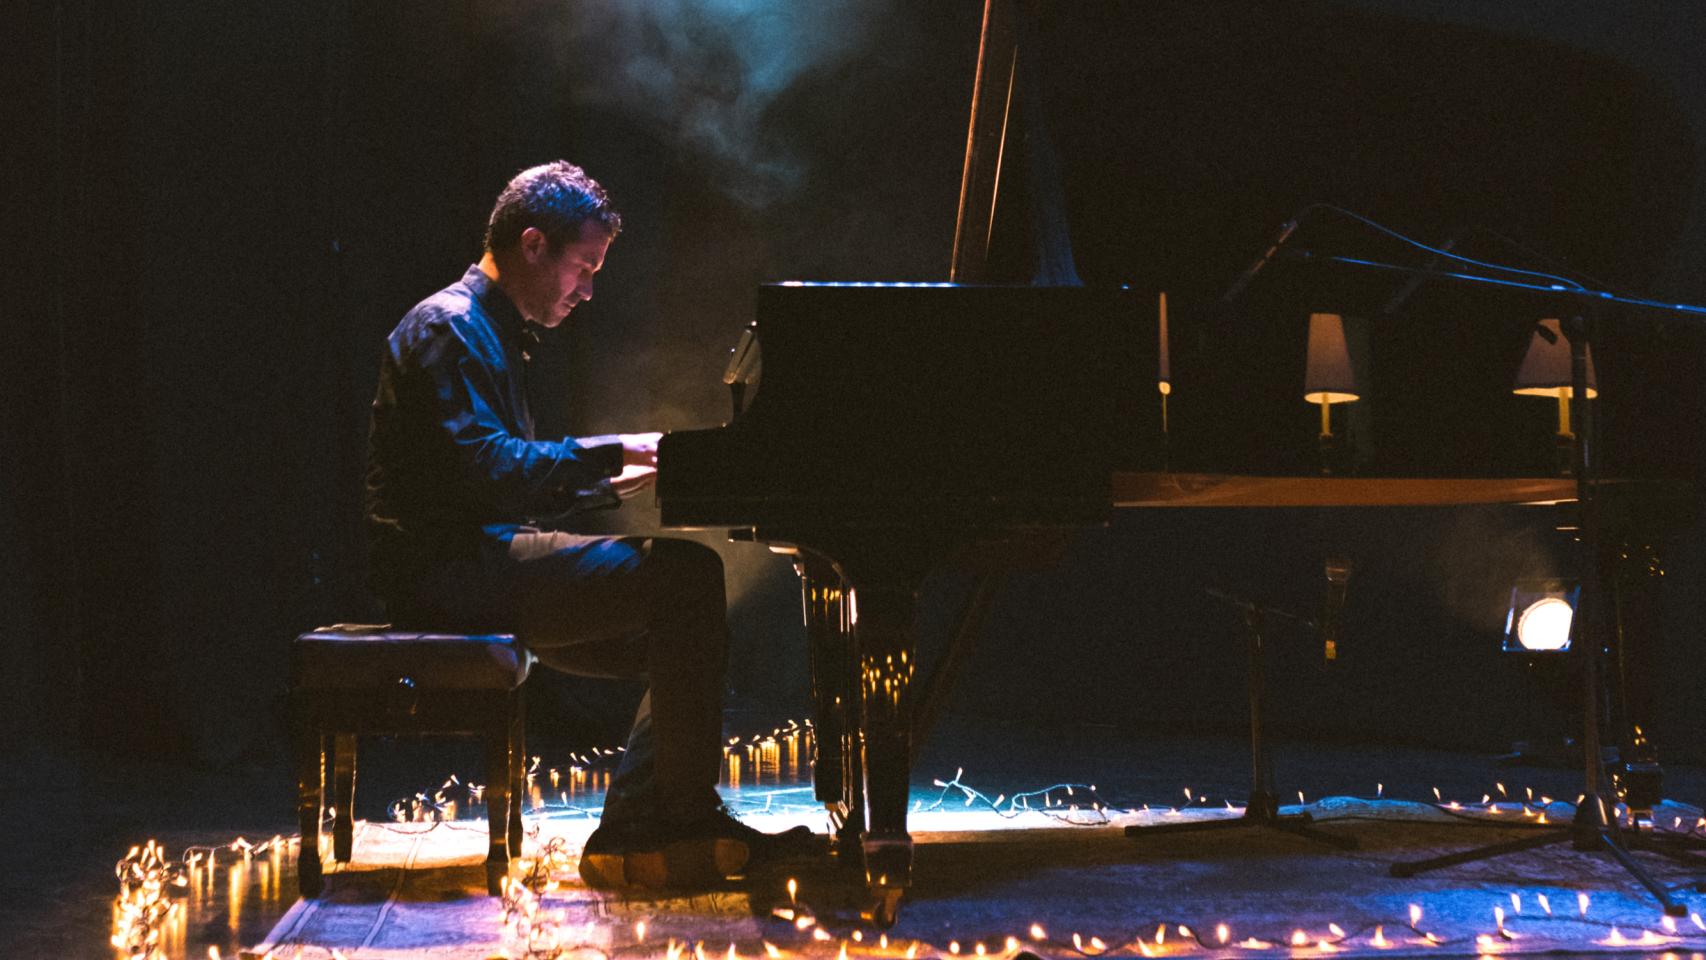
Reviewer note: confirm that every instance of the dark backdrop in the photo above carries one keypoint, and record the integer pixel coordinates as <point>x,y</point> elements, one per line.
<point>218,209</point>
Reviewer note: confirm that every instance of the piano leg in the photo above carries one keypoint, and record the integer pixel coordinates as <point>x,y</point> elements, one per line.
<point>837,776</point>
<point>883,636</point>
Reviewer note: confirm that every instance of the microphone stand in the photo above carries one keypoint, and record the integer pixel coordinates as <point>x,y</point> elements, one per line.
<point>1262,809</point>
<point>1594,826</point>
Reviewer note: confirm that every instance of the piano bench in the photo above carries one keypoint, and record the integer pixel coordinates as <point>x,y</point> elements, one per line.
<point>348,681</point>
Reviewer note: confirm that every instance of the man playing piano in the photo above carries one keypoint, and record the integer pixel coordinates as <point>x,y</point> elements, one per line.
<point>459,488</point>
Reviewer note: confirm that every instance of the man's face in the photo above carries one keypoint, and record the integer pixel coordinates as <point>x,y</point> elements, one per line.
<point>556,283</point>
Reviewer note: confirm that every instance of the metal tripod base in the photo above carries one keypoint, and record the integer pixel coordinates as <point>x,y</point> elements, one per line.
<point>1689,851</point>
<point>1263,808</point>
<point>1591,832</point>
<point>1262,811</point>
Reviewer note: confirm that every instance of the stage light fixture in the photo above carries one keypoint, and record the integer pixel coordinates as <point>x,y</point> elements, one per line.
<point>1541,616</point>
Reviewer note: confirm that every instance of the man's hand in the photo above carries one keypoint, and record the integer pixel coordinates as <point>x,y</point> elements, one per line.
<point>632,480</point>
<point>639,450</point>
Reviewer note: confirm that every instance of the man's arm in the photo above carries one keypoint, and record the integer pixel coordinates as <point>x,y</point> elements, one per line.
<point>508,473</point>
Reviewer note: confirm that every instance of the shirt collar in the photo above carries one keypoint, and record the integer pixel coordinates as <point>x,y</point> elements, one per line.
<point>499,306</point>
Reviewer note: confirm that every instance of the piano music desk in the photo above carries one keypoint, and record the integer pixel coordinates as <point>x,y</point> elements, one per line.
<point>1145,489</point>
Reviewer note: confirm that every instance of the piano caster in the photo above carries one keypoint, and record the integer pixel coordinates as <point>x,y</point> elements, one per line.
<point>888,872</point>
<point>883,907</point>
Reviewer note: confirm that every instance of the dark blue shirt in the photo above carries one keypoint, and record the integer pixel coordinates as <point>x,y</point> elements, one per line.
<point>452,461</point>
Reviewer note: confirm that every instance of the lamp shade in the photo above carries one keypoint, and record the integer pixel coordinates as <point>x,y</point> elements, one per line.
<point>1545,370</point>
<point>1328,378</point>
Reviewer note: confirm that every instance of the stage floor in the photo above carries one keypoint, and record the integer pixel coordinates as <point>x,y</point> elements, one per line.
<point>981,878</point>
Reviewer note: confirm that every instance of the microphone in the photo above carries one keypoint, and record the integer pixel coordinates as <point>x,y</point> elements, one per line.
<point>1285,231</point>
<point>1411,285</point>
<point>1338,571</point>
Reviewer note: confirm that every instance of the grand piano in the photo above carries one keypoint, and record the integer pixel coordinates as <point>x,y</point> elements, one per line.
<point>884,430</point>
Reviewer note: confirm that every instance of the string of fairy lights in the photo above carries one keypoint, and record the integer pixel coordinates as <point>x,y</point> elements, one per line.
<point>150,909</point>
<point>1077,804</point>
<point>803,936</point>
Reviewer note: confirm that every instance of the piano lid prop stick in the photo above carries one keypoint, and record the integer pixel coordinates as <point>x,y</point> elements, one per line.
<point>1164,366</point>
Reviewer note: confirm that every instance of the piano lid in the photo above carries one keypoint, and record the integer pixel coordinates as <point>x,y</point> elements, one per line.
<point>922,405</point>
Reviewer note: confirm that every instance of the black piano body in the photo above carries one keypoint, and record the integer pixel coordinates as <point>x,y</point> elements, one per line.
<point>894,427</point>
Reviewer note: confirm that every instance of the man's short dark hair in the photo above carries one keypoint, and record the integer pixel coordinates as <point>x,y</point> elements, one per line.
<point>555,198</point>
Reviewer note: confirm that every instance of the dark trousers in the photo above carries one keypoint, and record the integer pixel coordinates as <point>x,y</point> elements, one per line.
<point>617,607</point>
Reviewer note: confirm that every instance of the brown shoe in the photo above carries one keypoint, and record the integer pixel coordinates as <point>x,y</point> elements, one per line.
<point>796,843</point>
<point>660,857</point>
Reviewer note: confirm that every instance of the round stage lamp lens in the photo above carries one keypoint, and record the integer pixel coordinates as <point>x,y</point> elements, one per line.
<point>1545,625</point>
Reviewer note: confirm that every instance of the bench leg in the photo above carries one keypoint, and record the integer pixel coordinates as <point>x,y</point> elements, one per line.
<point>310,784</point>
<point>498,767</point>
<point>518,792</point>
<point>343,796</point>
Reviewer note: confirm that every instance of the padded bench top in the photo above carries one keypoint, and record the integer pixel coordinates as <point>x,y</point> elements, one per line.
<point>378,656</point>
